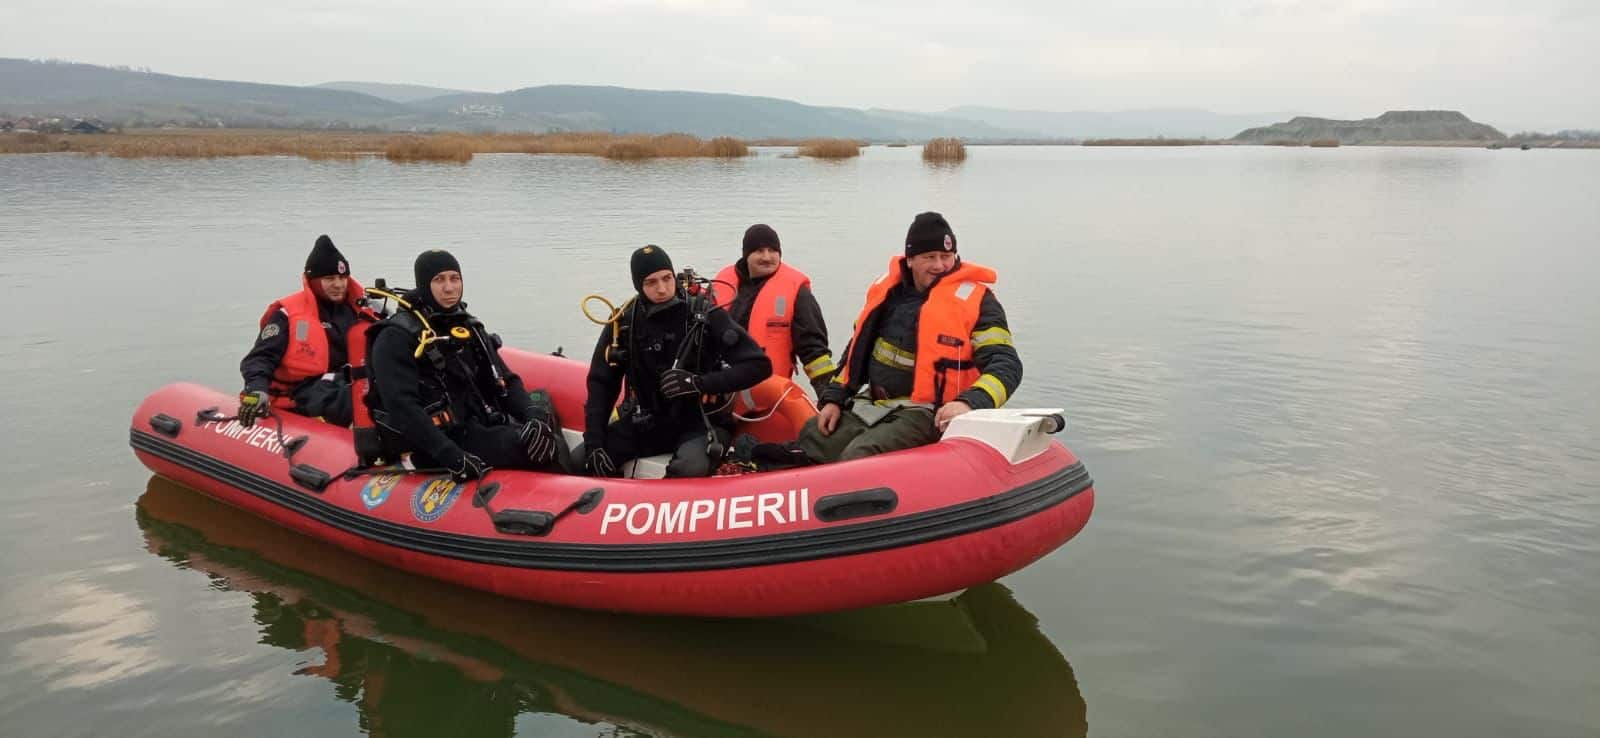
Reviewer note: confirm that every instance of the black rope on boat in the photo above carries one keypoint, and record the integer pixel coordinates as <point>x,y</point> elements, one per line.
<point>289,446</point>
<point>373,471</point>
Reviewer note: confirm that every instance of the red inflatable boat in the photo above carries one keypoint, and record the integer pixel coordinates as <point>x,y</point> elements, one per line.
<point>993,496</point>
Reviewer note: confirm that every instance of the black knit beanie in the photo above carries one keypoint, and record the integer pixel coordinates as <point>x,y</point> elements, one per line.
<point>761,235</point>
<point>929,232</point>
<point>647,261</point>
<point>428,265</point>
<point>325,260</point>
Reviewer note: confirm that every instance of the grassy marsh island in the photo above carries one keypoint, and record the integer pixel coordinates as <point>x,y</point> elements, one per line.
<point>448,147</point>
<point>944,149</point>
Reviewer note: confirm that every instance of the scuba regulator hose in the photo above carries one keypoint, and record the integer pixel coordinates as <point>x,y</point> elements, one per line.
<point>427,336</point>
<point>615,354</point>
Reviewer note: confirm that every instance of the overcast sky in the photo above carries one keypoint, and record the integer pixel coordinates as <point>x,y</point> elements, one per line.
<point>1515,64</point>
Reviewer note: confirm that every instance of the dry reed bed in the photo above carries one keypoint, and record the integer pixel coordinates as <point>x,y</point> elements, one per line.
<point>447,147</point>
<point>429,148</point>
<point>32,143</point>
<point>944,149</point>
<point>831,148</point>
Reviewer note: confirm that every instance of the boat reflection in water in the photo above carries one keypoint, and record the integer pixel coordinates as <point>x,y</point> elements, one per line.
<point>421,657</point>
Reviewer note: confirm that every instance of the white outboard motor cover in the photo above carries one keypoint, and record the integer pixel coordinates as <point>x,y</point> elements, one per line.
<point>1018,434</point>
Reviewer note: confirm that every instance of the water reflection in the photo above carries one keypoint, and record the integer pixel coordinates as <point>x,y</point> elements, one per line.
<point>419,657</point>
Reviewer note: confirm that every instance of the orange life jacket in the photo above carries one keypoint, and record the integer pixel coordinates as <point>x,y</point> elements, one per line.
<point>772,315</point>
<point>944,364</point>
<point>773,411</point>
<point>307,353</point>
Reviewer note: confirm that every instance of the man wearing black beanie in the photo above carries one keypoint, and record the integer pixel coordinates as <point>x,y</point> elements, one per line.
<point>773,302</point>
<point>440,390</point>
<point>303,344</point>
<point>672,348</point>
<point>930,344</point>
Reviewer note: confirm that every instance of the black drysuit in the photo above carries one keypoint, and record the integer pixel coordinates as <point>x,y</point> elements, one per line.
<point>729,360</point>
<point>459,397</point>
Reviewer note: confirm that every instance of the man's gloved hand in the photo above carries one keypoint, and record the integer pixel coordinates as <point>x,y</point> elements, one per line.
<point>538,441</point>
<point>469,467</point>
<point>600,463</point>
<point>253,406</point>
<point>676,383</point>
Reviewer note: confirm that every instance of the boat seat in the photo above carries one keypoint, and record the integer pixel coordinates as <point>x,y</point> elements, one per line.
<point>649,467</point>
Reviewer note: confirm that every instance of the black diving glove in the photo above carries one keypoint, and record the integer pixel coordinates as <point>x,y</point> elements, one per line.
<point>538,441</point>
<point>600,463</point>
<point>676,383</point>
<point>469,467</point>
<point>252,407</point>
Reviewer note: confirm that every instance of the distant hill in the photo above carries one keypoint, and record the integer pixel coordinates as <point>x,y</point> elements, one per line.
<point>392,92</point>
<point>581,107</point>
<point>1171,123</point>
<point>133,98</point>
<point>1395,126</point>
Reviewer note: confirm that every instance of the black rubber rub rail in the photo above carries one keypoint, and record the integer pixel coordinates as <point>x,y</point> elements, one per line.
<point>779,548</point>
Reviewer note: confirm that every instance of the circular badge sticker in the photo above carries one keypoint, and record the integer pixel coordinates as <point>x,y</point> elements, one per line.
<point>377,489</point>
<point>433,498</point>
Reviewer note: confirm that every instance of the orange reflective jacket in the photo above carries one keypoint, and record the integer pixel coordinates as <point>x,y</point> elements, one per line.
<point>307,353</point>
<point>945,365</point>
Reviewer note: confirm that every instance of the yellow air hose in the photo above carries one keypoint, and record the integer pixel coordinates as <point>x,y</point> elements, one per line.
<point>427,336</point>
<point>613,320</point>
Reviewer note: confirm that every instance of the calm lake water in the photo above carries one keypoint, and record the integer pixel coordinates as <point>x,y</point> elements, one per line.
<point>1342,408</point>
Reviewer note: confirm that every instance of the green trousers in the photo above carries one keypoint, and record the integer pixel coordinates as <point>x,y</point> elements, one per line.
<point>904,427</point>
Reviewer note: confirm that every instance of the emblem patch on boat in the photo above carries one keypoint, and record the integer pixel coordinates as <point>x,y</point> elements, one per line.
<point>433,498</point>
<point>378,488</point>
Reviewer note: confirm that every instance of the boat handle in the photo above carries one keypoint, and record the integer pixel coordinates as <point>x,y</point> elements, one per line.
<point>866,503</point>
<point>540,522</point>
<point>310,477</point>
<point>166,425</point>
<point>523,522</point>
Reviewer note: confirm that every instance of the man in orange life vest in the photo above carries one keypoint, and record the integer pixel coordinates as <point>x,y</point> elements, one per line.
<point>298,359</point>
<point>930,344</point>
<point>772,301</point>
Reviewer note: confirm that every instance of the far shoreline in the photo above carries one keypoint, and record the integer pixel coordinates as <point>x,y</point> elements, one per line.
<point>323,144</point>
